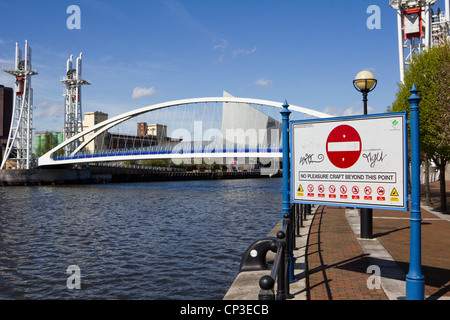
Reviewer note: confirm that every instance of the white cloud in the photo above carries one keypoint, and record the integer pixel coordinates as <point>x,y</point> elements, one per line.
<point>350,111</point>
<point>6,61</point>
<point>55,110</point>
<point>46,109</point>
<point>222,45</point>
<point>140,92</point>
<point>332,111</point>
<point>49,116</point>
<point>179,11</point>
<point>219,60</point>
<point>181,14</point>
<point>371,69</point>
<point>235,53</point>
<point>6,80</point>
<point>264,83</point>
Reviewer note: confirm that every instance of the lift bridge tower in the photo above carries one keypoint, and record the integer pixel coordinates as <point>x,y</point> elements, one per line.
<point>419,27</point>
<point>19,146</point>
<point>73,122</point>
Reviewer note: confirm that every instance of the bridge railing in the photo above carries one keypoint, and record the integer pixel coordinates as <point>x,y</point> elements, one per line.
<point>176,149</point>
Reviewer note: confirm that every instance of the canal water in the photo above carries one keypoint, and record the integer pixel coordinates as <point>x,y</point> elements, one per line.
<point>160,240</point>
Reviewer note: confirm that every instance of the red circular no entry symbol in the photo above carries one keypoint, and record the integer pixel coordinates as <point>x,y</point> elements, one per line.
<point>344,146</point>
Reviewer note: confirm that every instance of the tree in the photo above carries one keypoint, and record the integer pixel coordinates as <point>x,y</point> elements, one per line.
<point>429,71</point>
<point>154,163</point>
<point>48,142</point>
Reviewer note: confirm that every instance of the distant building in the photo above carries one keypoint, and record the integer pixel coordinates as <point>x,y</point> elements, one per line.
<point>159,131</point>
<point>147,135</point>
<point>142,129</point>
<point>243,124</point>
<point>6,106</point>
<point>91,119</point>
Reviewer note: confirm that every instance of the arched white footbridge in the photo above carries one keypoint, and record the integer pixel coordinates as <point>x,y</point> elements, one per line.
<point>50,158</point>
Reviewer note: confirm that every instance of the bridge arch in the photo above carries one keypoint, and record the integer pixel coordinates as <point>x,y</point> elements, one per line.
<point>98,129</point>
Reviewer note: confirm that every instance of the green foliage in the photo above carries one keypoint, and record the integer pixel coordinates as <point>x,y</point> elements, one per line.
<point>154,163</point>
<point>429,71</point>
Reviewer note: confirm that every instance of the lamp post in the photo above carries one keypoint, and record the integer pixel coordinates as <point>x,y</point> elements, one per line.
<point>365,82</point>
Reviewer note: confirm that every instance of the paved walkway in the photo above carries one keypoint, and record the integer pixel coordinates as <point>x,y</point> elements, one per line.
<point>332,262</point>
<point>336,263</point>
<point>341,265</point>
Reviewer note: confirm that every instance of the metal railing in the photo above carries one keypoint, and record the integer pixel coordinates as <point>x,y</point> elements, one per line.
<point>279,271</point>
<point>174,149</point>
<point>283,265</point>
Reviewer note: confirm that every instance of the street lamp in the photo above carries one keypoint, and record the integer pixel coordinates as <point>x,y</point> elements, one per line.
<point>365,82</point>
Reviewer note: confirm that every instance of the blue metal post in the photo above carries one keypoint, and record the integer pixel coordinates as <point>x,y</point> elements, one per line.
<point>415,284</point>
<point>286,208</point>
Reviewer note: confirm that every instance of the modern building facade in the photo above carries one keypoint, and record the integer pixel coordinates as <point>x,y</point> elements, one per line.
<point>91,119</point>
<point>244,125</point>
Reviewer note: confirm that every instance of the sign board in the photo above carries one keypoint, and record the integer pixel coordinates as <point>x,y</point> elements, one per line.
<point>358,161</point>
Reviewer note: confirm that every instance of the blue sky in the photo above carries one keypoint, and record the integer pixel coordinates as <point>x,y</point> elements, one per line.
<point>307,52</point>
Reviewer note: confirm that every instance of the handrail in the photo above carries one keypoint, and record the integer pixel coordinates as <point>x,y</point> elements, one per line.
<point>284,260</point>
<point>280,269</point>
<point>171,150</point>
